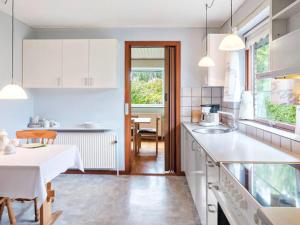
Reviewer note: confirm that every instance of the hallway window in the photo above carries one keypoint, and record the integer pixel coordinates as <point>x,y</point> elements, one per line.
<point>147,87</point>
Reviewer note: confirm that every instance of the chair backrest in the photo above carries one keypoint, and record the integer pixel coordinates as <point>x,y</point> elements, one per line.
<point>37,136</point>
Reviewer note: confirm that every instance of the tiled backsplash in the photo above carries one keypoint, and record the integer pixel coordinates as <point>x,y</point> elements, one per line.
<point>280,139</point>
<point>193,98</point>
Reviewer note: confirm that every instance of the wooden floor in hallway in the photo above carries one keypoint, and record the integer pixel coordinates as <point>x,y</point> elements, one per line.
<point>146,162</point>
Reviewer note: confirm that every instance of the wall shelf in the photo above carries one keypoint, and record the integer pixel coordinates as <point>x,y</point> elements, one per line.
<point>289,11</point>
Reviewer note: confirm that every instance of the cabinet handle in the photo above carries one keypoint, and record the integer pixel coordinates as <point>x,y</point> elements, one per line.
<point>211,208</point>
<point>193,149</point>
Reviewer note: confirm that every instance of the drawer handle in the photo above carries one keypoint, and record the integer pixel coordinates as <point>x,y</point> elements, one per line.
<point>211,208</point>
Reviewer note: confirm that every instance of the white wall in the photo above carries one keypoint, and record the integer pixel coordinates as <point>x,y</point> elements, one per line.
<point>74,106</point>
<point>14,114</point>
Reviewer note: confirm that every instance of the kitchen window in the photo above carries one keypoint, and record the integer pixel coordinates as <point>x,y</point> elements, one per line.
<point>274,100</point>
<point>147,87</point>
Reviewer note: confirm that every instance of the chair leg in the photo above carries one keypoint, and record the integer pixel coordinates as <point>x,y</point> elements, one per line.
<point>156,145</point>
<point>36,210</point>
<point>11,215</point>
<point>1,210</point>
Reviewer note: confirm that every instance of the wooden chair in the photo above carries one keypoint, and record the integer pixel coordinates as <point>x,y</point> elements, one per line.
<point>7,202</point>
<point>36,136</point>
<point>149,133</point>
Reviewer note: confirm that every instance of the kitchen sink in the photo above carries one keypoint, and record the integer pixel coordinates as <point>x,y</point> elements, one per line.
<point>213,130</point>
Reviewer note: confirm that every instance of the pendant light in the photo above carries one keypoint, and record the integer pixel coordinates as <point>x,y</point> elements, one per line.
<point>12,90</point>
<point>232,42</point>
<point>206,61</point>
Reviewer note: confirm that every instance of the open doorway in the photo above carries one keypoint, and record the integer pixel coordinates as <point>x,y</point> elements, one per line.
<point>152,121</point>
<point>147,83</point>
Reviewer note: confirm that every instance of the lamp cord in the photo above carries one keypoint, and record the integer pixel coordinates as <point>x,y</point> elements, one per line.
<point>207,7</point>
<point>231,16</point>
<point>12,39</point>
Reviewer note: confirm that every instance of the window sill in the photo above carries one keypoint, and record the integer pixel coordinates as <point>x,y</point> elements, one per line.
<point>273,130</point>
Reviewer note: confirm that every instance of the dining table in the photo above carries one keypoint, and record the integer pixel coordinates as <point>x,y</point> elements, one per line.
<point>137,121</point>
<point>28,174</point>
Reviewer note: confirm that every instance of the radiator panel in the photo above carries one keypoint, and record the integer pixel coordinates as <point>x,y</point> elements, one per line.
<point>97,149</point>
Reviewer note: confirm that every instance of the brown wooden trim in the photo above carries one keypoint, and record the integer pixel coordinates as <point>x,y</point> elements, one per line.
<point>99,172</point>
<point>178,104</point>
<point>123,172</point>
<point>128,45</point>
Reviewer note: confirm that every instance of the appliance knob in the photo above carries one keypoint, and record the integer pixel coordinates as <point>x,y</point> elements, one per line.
<point>244,204</point>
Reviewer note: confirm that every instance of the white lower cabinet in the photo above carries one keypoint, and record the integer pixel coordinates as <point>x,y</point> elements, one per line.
<point>201,174</point>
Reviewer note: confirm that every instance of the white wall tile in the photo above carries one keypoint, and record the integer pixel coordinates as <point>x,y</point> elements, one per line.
<point>275,140</point>
<point>260,134</point>
<point>206,92</point>
<point>296,146</point>
<point>185,111</point>
<point>216,101</point>
<point>196,101</point>
<point>251,131</point>
<point>206,100</point>
<point>285,143</point>
<point>186,92</point>
<point>267,137</point>
<point>186,101</point>
<point>217,92</point>
<point>186,119</point>
<point>196,92</point>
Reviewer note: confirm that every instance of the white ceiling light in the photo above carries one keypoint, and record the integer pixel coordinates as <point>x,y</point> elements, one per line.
<point>232,42</point>
<point>12,90</point>
<point>206,61</point>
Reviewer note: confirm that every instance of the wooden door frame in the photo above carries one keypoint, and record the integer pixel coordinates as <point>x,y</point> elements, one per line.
<point>128,46</point>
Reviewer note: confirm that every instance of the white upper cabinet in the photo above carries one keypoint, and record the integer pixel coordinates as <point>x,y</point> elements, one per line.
<point>72,63</point>
<point>103,63</point>
<point>75,63</point>
<point>42,63</point>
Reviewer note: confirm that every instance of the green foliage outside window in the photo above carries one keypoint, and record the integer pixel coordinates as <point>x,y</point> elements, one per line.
<point>281,113</point>
<point>264,108</point>
<point>147,87</point>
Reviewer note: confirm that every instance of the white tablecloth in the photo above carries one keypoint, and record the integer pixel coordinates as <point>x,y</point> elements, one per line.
<point>26,173</point>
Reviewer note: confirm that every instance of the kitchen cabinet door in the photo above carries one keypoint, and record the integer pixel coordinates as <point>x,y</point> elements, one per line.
<point>42,63</point>
<point>103,63</point>
<point>200,184</point>
<point>75,63</point>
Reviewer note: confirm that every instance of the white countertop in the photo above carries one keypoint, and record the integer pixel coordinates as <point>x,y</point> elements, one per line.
<point>280,216</point>
<point>237,147</point>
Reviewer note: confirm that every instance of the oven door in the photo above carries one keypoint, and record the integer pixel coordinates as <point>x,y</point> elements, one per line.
<point>226,211</point>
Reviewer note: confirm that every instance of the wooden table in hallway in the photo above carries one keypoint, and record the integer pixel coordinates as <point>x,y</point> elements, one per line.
<point>136,124</point>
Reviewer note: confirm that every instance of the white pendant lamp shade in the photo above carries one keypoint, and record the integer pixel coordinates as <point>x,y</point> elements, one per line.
<point>206,61</point>
<point>13,91</point>
<point>232,42</point>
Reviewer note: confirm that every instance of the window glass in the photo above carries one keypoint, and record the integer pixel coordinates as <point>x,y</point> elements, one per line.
<point>147,87</point>
<point>274,99</point>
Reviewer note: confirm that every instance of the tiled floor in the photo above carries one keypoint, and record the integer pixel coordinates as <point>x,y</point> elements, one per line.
<point>112,200</point>
<point>146,162</point>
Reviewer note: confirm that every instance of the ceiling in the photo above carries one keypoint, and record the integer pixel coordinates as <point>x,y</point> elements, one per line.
<point>147,53</point>
<point>120,13</point>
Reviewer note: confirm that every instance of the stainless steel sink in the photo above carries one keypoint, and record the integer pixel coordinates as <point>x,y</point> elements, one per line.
<point>213,130</point>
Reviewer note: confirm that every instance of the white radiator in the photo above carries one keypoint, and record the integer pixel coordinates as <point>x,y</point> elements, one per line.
<point>98,150</point>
